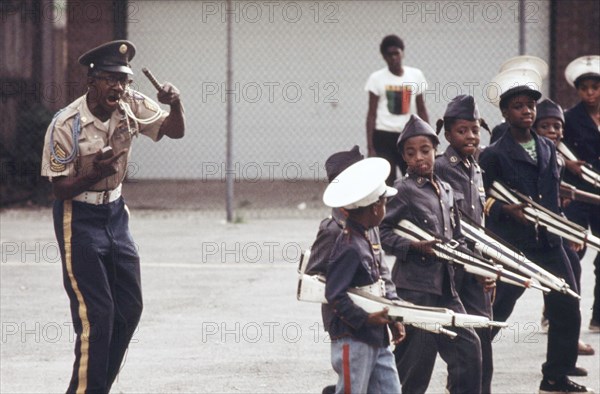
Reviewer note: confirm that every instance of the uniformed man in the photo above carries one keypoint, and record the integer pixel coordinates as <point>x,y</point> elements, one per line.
<point>85,156</point>
<point>457,167</point>
<point>421,277</point>
<point>360,352</point>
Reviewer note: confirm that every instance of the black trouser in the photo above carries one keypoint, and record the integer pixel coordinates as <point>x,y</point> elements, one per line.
<point>588,215</point>
<point>101,272</point>
<point>562,311</point>
<point>384,143</point>
<point>415,356</point>
<point>477,302</point>
<point>487,358</point>
<point>575,265</point>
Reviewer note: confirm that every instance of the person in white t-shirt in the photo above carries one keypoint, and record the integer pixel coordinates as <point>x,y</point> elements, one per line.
<point>395,92</point>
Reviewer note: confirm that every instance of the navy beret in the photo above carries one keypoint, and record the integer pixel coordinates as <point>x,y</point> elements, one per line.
<point>549,109</point>
<point>414,127</point>
<point>462,107</point>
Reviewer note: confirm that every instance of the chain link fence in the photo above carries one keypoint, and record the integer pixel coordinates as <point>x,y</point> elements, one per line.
<point>299,70</point>
<point>298,74</point>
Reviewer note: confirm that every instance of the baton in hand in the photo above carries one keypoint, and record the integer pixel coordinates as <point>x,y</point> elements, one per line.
<point>152,79</point>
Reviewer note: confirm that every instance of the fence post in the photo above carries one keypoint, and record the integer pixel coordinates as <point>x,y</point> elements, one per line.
<point>229,173</point>
<point>522,26</point>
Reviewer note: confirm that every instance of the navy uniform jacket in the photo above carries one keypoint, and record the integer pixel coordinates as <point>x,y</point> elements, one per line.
<point>582,136</point>
<point>353,263</point>
<point>329,231</point>
<point>498,132</point>
<point>508,162</point>
<point>418,202</point>
<point>467,183</point>
<point>469,194</point>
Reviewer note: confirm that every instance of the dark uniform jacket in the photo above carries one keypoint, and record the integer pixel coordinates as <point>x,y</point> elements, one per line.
<point>418,202</point>
<point>469,194</point>
<point>582,136</point>
<point>498,132</point>
<point>320,251</point>
<point>353,263</point>
<point>329,229</point>
<point>467,183</point>
<point>508,162</point>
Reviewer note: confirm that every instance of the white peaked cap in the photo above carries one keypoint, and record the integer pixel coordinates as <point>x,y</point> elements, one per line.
<point>359,185</point>
<point>585,65</point>
<point>526,61</point>
<point>513,81</point>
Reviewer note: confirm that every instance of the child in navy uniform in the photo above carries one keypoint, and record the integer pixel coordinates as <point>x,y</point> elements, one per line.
<point>360,352</point>
<point>330,229</point>
<point>582,136</point>
<point>549,123</point>
<point>527,163</point>
<point>458,167</point>
<point>420,277</point>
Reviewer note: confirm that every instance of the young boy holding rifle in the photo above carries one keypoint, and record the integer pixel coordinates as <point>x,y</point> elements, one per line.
<point>420,276</point>
<point>549,123</point>
<point>360,352</point>
<point>582,137</point>
<point>458,167</point>
<point>330,229</point>
<point>527,163</point>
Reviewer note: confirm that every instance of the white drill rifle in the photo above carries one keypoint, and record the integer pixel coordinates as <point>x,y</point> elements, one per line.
<point>498,250</point>
<point>587,173</point>
<point>540,216</point>
<point>471,262</point>
<point>571,192</point>
<point>311,288</point>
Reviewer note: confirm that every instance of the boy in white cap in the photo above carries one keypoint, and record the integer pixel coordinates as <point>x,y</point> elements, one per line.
<point>527,163</point>
<point>360,352</point>
<point>422,278</point>
<point>533,66</point>
<point>582,136</point>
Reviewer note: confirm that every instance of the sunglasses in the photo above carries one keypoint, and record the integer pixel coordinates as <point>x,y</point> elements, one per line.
<point>112,80</point>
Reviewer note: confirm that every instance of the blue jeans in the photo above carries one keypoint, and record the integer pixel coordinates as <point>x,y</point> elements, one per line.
<point>363,368</point>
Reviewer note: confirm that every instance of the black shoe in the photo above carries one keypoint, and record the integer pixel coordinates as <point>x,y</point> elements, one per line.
<point>577,371</point>
<point>328,390</point>
<point>562,386</point>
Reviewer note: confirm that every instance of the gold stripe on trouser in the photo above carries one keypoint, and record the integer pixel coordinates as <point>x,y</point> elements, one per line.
<point>85,334</point>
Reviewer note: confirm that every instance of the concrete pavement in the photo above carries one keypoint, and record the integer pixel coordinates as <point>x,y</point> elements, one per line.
<point>220,312</point>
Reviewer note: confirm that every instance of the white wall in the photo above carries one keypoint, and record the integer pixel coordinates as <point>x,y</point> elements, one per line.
<point>282,44</point>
